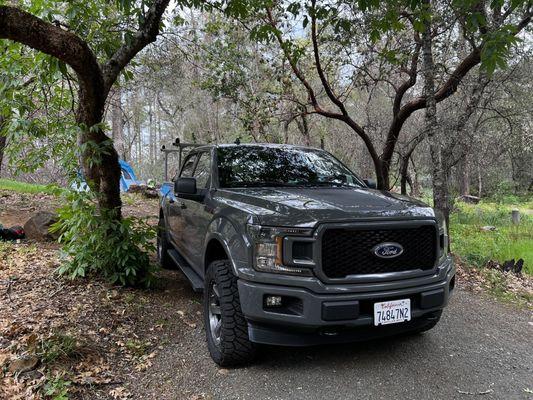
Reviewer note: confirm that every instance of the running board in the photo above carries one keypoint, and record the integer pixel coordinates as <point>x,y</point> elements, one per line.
<point>196,281</point>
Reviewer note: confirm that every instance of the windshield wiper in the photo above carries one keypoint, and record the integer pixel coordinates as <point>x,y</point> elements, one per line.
<point>261,184</point>
<point>330,183</point>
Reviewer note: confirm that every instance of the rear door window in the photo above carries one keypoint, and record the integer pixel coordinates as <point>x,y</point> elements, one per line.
<point>202,173</point>
<point>188,166</point>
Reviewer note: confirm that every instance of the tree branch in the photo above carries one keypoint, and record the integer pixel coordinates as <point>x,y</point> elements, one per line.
<point>146,34</point>
<point>25,28</point>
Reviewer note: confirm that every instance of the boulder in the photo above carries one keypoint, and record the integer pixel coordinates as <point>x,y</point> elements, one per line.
<point>37,227</point>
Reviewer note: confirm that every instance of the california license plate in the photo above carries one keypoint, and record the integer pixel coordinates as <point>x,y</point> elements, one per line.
<point>392,312</point>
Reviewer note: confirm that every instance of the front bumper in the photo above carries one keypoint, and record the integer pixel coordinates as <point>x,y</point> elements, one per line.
<point>308,318</point>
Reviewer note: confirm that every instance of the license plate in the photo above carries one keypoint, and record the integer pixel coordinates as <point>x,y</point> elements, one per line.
<point>392,312</point>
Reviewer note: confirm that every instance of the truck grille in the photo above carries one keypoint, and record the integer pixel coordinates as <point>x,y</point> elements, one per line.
<point>349,251</point>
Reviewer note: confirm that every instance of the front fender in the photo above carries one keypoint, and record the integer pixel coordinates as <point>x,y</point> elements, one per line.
<point>234,241</point>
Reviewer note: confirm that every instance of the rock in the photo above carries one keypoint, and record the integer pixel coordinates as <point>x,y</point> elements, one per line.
<point>466,198</point>
<point>488,228</point>
<point>23,364</point>
<point>36,228</point>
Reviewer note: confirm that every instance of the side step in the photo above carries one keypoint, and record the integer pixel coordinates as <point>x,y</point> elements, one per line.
<point>196,281</point>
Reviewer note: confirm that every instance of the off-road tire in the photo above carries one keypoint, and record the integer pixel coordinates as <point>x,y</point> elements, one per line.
<point>163,246</point>
<point>234,348</point>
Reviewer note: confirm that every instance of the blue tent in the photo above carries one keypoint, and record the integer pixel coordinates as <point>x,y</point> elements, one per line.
<point>128,176</point>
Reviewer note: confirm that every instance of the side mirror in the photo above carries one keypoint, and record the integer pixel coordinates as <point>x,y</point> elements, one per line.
<point>371,183</point>
<point>185,186</point>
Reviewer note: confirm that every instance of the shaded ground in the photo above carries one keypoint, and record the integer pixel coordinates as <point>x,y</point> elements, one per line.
<point>99,342</point>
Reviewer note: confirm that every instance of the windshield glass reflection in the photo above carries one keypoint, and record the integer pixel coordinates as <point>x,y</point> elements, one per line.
<point>263,166</point>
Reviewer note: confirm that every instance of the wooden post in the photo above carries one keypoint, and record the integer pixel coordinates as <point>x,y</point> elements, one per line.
<point>515,216</point>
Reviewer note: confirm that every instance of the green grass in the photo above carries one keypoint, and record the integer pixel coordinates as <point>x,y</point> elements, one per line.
<point>23,187</point>
<point>508,241</point>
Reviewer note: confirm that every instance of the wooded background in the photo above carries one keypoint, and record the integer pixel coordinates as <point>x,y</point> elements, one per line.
<point>349,78</point>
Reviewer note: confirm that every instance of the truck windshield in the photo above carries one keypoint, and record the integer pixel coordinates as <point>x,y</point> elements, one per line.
<point>249,166</point>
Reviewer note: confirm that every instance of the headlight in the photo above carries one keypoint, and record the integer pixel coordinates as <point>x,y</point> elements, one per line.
<point>443,234</point>
<point>268,249</point>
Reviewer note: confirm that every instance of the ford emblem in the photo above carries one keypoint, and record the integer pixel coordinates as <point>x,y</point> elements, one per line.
<point>388,250</point>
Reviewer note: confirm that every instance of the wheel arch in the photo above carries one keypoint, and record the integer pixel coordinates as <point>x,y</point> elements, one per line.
<point>224,240</point>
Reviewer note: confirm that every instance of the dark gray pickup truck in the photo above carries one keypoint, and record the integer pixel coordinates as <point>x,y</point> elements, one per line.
<point>291,248</point>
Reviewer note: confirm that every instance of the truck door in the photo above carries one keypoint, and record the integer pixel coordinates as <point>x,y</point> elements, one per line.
<point>175,207</point>
<point>197,215</point>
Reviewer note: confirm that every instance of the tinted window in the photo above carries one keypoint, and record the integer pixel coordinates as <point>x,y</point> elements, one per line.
<point>203,171</point>
<point>188,167</point>
<point>240,166</point>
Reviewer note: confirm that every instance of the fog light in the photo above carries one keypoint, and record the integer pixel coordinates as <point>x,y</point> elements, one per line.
<point>273,301</point>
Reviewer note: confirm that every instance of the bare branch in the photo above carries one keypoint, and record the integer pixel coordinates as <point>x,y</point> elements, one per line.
<point>146,34</point>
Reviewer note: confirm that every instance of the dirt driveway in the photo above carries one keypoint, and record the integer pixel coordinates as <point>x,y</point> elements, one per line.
<point>481,349</point>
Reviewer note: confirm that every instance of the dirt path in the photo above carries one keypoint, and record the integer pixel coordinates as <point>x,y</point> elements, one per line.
<point>480,348</point>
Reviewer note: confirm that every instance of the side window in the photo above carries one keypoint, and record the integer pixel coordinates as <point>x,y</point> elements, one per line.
<point>188,167</point>
<point>203,171</point>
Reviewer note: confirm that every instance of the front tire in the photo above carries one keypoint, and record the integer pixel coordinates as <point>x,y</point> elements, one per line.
<point>225,325</point>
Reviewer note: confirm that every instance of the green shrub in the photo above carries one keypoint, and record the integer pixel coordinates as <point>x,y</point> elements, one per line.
<point>56,347</point>
<point>477,246</point>
<point>95,243</point>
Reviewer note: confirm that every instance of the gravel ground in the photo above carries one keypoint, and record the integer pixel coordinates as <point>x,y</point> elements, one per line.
<point>480,349</point>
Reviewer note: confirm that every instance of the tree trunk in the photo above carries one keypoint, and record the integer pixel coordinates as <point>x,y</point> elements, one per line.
<point>438,172</point>
<point>117,124</point>
<point>3,143</point>
<point>404,173</point>
<point>99,157</point>
<point>463,176</point>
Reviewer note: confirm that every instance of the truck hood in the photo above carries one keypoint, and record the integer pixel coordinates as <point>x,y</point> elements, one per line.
<point>307,206</point>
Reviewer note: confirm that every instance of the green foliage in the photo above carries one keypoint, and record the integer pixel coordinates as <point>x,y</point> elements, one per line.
<point>478,246</point>
<point>57,388</point>
<point>99,244</point>
<point>23,187</point>
<point>56,347</point>
<point>506,193</point>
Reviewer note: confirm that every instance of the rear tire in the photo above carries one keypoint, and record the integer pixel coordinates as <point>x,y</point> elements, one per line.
<point>225,325</point>
<point>163,246</point>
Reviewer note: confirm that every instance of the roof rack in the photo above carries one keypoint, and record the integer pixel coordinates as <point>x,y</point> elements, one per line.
<point>179,150</point>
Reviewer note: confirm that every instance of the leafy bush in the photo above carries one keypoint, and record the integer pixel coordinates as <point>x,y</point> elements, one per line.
<point>507,193</point>
<point>477,246</point>
<point>95,243</point>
